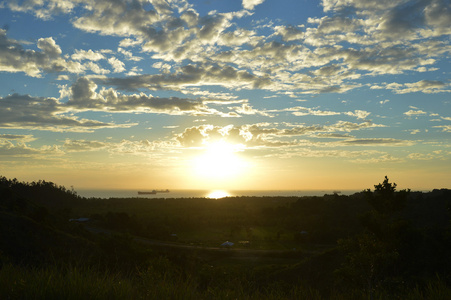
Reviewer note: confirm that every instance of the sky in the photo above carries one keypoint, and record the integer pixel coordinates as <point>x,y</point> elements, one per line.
<point>237,94</point>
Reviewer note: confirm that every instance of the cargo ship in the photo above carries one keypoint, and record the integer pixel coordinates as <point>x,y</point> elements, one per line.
<point>153,192</point>
<point>147,193</point>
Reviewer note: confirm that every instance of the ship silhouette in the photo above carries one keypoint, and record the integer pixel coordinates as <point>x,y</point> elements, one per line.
<point>153,192</point>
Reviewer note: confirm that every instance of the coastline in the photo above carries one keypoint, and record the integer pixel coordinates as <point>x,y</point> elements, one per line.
<point>126,193</point>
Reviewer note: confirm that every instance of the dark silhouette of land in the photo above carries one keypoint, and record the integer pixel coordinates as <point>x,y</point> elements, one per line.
<point>379,243</point>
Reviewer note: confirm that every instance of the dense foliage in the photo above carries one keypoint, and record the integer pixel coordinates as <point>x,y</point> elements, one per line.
<point>375,244</point>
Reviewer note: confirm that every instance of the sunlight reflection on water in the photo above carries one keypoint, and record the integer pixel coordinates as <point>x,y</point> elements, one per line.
<point>218,194</point>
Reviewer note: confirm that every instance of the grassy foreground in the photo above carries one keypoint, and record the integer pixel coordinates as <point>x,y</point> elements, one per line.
<point>77,283</point>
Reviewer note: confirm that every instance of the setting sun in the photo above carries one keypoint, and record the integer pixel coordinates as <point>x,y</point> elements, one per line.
<point>218,194</point>
<point>219,160</point>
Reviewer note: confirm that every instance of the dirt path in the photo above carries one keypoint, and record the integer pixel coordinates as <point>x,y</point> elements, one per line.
<point>231,251</point>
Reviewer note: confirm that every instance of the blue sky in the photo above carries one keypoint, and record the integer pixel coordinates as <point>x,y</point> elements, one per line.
<point>252,94</point>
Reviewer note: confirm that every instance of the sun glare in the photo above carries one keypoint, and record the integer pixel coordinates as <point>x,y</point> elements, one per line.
<point>219,161</point>
<point>218,194</point>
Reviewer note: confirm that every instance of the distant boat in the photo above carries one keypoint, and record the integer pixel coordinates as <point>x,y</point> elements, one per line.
<point>153,192</point>
<point>147,193</point>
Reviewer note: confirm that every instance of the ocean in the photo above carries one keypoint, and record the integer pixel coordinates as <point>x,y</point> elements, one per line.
<point>98,193</point>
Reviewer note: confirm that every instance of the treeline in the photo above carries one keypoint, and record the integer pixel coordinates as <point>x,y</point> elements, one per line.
<point>48,195</point>
<point>378,244</point>
<point>320,220</point>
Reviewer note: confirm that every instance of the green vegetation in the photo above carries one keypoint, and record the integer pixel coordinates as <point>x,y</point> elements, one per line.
<point>380,244</point>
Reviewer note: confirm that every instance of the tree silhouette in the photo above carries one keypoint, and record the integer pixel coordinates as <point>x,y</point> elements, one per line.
<point>385,199</point>
<point>371,257</point>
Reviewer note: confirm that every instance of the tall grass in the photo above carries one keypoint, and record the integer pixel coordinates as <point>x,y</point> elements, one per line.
<point>69,282</point>
<point>17,282</point>
<point>436,289</point>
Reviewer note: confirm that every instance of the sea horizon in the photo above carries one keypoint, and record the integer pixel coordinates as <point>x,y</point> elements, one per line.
<point>207,193</point>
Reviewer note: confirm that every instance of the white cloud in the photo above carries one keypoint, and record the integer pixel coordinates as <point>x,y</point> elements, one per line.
<point>14,58</point>
<point>270,135</point>
<point>399,19</point>
<point>119,19</point>
<point>445,128</point>
<point>303,111</point>
<point>134,71</point>
<point>289,33</point>
<point>424,86</point>
<point>439,154</point>
<point>42,9</point>
<point>48,46</point>
<point>129,55</point>
<point>117,65</point>
<point>95,68</point>
<point>87,55</point>
<point>414,113</point>
<point>83,145</point>
<point>359,114</point>
<point>250,4</point>
<point>197,75</point>
<point>26,112</point>
<point>17,137</point>
<point>20,149</point>
<point>386,158</point>
<point>375,5</point>
<point>84,97</point>
<point>246,109</point>
<point>376,142</point>
<point>62,77</point>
